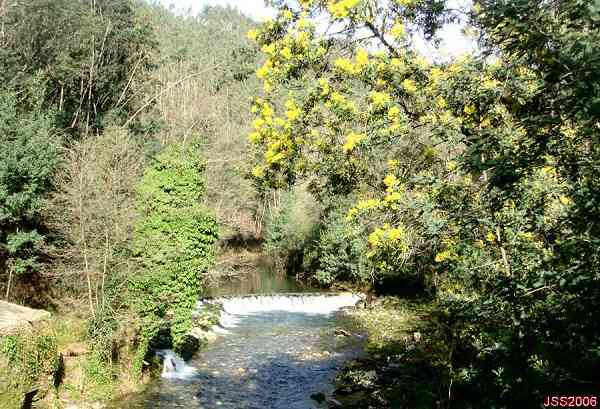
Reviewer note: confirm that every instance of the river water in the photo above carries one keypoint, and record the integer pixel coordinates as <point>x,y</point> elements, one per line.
<point>272,352</point>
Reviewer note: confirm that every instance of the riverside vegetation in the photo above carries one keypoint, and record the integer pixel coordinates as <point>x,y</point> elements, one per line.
<point>461,193</point>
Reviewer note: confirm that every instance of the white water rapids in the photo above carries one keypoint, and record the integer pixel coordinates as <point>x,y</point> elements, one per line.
<point>235,309</point>
<point>272,352</point>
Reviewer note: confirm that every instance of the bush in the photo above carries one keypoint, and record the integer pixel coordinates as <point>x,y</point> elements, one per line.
<point>27,362</point>
<point>28,158</point>
<point>338,254</point>
<point>174,241</point>
<point>292,228</point>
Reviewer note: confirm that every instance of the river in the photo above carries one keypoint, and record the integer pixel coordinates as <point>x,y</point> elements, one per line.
<point>272,351</point>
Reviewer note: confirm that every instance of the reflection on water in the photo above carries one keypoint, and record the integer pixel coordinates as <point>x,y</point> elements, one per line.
<point>261,280</point>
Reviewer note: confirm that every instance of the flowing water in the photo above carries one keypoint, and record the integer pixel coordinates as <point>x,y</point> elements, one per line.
<point>272,352</point>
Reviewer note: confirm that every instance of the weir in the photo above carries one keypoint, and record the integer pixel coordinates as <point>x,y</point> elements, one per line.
<point>272,351</point>
<point>310,303</point>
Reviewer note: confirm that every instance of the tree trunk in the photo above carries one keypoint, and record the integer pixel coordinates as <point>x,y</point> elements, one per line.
<point>10,274</point>
<point>84,244</point>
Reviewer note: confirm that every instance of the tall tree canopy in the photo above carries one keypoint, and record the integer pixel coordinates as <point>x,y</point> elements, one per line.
<point>91,56</point>
<point>474,175</point>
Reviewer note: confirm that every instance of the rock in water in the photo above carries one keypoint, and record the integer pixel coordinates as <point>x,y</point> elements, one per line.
<point>319,397</point>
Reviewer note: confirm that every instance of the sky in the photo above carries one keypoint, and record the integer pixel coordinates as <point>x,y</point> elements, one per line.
<point>454,42</point>
<point>253,8</point>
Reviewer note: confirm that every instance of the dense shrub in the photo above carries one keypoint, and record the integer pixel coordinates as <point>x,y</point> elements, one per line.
<point>291,229</point>
<point>28,158</point>
<point>174,240</point>
<point>338,253</point>
<point>34,357</point>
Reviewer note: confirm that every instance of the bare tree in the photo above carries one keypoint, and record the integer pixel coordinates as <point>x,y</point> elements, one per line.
<point>96,189</point>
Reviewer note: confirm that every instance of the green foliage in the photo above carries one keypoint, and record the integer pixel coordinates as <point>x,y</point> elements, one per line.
<point>212,57</point>
<point>174,241</point>
<point>476,176</point>
<point>28,158</point>
<point>291,230</point>
<point>99,377</point>
<point>339,252</point>
<point>91,60</point>
<point>27,361</point>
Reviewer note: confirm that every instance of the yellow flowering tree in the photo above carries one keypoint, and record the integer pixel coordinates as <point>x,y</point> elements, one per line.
<point>477,175</point>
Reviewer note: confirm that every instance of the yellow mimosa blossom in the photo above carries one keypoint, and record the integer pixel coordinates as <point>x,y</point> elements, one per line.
<point>341,8</point>
<point>568,131</point>
<point>303,23</point>
<point>252,35</point>
<point>271,156</point>
<point>258,171</point>
<point>455,68</point>
<point>526,235</point>
<point>266,111</point>
<point>436,74</point>
<point>293,112</point>
<point>254,137</point>
<point>368,204</point>
<point>352,140</point>
<point>490,83</point>
<point>306,3</point>
<point>397,62</point>
<point>351,214</point>
<point>393,163</point>
<point>303,39</point>
<point>362,59</point>
<point>345,65</point>
<point>394,113</point>
<point>397,30</point>
<point>268,49</point>
<point>565,200</point>
<point>395,234</point>
<point>409,85</point>
<point>490,237</point>
<point>262,72</point>
<point>443,256</point>
<point>379,99</point>
<point>469,109</point>
<point>392,197</point>
<point>387,236</point>
<point>441,102</point>
<point>287,15</point>
<point>286,52</point>
<point>324,84</point>
<point>375,238</point>
<point>390,181</point>
<point>280,122</point>
<point>258,123</point>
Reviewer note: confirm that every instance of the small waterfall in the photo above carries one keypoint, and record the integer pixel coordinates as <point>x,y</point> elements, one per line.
<point>235,308</point>
<point>174,367</point>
